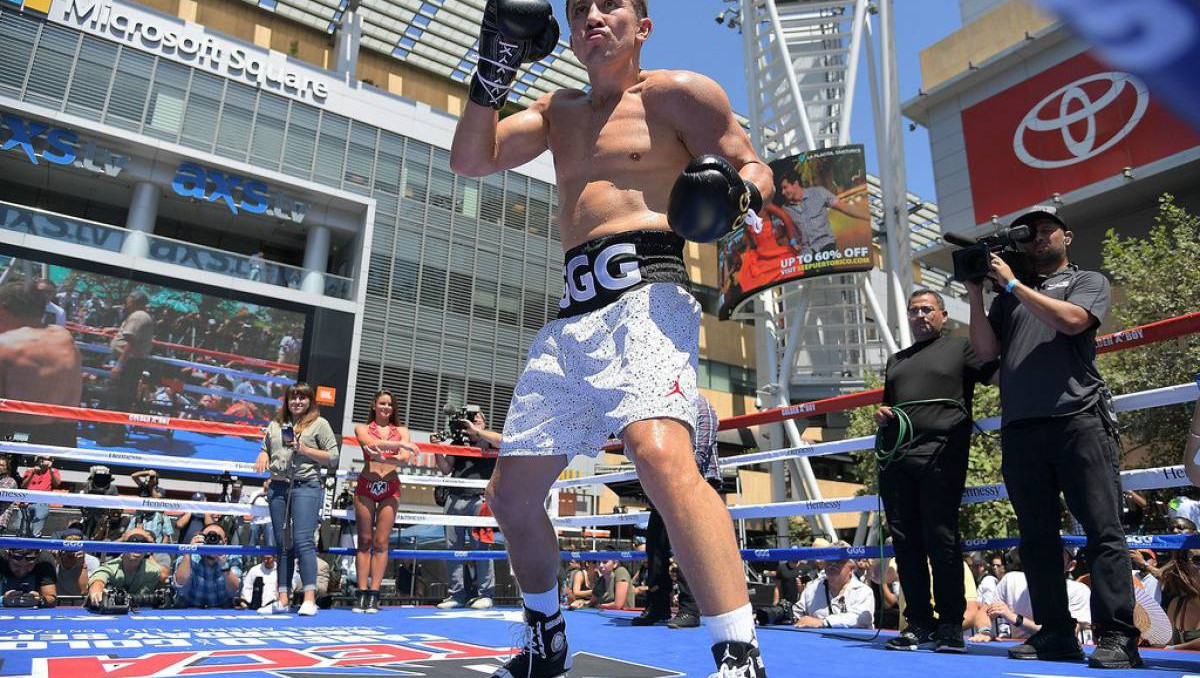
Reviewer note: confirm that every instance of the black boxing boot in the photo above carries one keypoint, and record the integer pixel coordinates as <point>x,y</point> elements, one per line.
<point>710,198</point>
<point>545,654</point>
<point>737,660</point>
<point>513,32</point>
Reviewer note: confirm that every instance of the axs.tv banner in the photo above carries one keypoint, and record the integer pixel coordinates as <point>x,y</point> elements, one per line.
<point>818,223</point>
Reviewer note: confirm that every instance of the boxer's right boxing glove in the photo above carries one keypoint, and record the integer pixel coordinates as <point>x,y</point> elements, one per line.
<point>513,32</point>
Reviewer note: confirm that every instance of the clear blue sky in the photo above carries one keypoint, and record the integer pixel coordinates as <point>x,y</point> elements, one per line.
<point>687,36</point>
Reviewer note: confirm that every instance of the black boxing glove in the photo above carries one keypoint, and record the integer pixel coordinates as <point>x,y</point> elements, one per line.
<point>709,199</point>
<point>513,32</point>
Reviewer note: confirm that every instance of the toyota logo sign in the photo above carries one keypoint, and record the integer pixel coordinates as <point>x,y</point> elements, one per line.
<point>1071,125</point>
<point>1059,112</point>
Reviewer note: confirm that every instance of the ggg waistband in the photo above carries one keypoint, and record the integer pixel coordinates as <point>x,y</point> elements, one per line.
<point>599,271</point>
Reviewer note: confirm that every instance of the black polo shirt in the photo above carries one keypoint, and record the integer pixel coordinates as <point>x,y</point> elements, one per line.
<point>1043,372</point>
<point>943,367</point>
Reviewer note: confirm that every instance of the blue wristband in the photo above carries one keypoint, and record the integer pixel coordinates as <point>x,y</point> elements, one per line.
<point>1011,284</point>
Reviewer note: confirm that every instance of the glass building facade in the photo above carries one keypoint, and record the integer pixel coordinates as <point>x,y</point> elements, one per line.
<point>462,271</point>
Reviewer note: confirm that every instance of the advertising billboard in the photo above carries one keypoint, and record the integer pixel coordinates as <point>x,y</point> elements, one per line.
<point>103,341</point>
<point>818,223</point>
<point>1067,127</point>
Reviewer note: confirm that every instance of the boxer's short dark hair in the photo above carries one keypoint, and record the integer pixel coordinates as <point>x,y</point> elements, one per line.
<point>641,7</point>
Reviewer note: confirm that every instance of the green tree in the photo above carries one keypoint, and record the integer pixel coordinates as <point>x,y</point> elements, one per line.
<point>1157,277</point>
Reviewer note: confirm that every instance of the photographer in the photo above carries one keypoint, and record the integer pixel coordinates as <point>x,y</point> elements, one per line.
<point>27,580</point>
<point>44,477</point>
<point>206,580</point>
<point>133,573</point>
<point>100,524</point>
<point>147,483</point>
<point>1058,435</point>
<point>468,428</point>
<point>925,426</point>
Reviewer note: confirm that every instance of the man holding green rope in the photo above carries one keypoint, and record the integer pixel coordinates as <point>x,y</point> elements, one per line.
<point>924,438</point>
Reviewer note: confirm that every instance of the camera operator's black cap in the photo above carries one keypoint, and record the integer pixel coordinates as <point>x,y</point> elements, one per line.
<point>1040,212</point>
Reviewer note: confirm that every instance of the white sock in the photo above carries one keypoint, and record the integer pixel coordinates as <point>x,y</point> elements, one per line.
<point>733,626</point>
<point>547,603</point>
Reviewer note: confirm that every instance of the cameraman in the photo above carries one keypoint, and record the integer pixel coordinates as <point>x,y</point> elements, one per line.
<point>27,580</point>
<point>100,524</point>
<point>206,580</point>
<point>132,573</point>
<point>1058,434</point>
<point>470,430</point>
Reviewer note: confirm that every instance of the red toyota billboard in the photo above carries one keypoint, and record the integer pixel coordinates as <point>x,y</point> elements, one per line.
<point>1067,127</point>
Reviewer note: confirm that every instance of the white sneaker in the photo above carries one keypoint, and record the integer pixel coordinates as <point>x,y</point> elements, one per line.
<point>449,604</point>
<point>273,607</point>
<point>481,604</point>
<point>308,610</point>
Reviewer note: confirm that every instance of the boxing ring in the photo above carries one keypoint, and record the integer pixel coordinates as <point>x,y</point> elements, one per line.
<point>423,641</point>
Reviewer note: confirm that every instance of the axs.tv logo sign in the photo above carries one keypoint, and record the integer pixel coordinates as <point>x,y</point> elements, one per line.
<point>240,194</point>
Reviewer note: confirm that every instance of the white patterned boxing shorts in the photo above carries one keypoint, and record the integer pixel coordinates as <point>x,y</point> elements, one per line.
<point>623,350</point>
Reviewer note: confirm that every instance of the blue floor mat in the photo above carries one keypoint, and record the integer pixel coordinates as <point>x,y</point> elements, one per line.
<point>425,642</point>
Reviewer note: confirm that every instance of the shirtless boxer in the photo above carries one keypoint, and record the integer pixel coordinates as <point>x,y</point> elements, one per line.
<point>37,364</point>
<point>641,155</point>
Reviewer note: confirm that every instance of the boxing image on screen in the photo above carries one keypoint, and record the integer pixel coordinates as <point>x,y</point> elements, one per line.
<point>818,223</point>
<point>78,338</point>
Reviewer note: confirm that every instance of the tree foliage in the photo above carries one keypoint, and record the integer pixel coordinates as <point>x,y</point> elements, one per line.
<point>1157,277</point>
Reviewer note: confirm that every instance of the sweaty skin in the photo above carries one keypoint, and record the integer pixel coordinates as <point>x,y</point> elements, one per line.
<point>618,149</point>
<point>617,175</point>
<point>39,364</point>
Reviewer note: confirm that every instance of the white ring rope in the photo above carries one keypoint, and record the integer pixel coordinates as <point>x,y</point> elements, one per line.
<point>1139,479</point>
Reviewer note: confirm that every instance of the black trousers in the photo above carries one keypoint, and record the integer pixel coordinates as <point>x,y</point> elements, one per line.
<point>1078,456</point>
<point>921,495</point>
<point>658,571</point>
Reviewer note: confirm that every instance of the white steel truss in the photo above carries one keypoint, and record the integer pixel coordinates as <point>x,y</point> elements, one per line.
<point>802,62</point>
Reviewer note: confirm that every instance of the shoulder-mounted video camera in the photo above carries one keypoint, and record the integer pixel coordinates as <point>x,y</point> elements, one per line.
<point>972,263</point>
<point>457,418</point>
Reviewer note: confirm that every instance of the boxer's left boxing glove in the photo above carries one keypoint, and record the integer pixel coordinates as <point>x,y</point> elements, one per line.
<point>513,32</point>
<point>709,199</point>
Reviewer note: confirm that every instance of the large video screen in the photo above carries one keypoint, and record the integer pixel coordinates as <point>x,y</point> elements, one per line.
<point>154,350</point>
<point>818,223</point>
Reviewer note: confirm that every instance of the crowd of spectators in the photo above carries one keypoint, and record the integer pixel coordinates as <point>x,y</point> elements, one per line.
<point>866,593</point>
<point>45,578</point>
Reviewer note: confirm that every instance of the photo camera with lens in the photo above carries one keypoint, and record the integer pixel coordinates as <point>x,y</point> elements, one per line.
<point>456,431</point>
<point>972,263</point>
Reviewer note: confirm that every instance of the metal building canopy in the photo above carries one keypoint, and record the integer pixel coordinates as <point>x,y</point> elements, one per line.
<point>438,36</point>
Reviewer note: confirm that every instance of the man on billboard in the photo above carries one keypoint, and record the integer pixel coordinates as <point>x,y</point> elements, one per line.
<point>808,208</point>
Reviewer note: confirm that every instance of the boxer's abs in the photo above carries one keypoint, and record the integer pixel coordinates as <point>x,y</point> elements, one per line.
<point>614,169</point>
